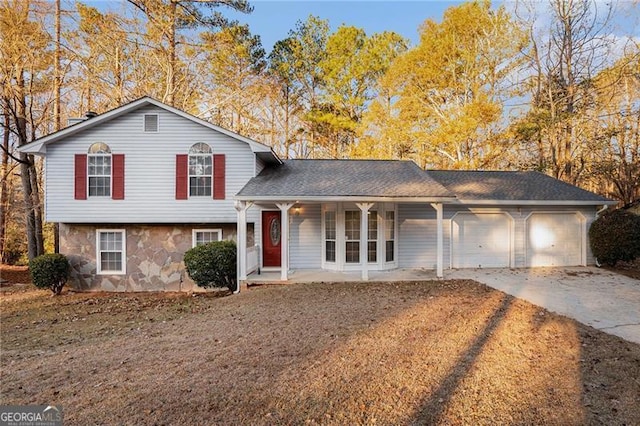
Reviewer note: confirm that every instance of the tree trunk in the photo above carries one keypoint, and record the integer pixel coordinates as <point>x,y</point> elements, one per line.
<point>171,80</point>
<point>4,188</point>
<point>27,169</point>
<point>57,106</point>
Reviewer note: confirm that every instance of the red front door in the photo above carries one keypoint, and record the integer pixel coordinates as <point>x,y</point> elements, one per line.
<point>271,233</point>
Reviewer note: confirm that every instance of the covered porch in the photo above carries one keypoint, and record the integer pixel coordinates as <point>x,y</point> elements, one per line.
<point>347,240</point>
<point>339,217</point>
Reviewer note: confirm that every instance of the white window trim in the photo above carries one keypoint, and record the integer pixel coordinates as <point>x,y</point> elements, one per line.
<point>340,264</point>
<point>393,263</point>
<point>377,240</point>
<point>144,121</point>
<point>195,231</point>
<point>355,266</point>
<point>333,265</point>
<point>123,271</point>
<point>89,176</point>
<point>189,175</point>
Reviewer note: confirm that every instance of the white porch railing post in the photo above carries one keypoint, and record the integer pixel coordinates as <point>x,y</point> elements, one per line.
<point>364,238</point>
<point>284,240</point>
<point>241,236</point>
<point>439,239</point>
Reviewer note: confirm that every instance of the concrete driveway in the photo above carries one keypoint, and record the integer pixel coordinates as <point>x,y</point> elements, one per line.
<point>602,299</point>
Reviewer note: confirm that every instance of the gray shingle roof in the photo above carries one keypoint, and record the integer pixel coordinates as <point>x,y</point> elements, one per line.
<point>499,185</point>
<point>331,178</point>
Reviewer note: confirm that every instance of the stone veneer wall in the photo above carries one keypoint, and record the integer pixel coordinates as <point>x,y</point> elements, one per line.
<point>153,257</point>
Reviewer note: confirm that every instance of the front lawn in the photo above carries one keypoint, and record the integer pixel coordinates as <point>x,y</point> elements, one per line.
<point>452,352</point>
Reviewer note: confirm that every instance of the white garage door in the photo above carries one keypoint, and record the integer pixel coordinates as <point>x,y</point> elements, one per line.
<point>480,240</point>
<point>554,239</point>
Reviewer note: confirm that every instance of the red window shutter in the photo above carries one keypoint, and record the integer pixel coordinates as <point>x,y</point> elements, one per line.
<point>182,176</point>
<point>80,178</point>
<point>118,176</point>
<point>218,176</point>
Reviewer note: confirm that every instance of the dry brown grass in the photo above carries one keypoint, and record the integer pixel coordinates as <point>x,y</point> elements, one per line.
<point>384,353</point>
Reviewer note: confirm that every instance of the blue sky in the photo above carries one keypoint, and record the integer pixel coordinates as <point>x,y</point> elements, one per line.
<point>273,20</point>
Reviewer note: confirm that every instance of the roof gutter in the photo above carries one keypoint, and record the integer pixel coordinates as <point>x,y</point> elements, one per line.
<point>537,202</point>
<point>337,198</point>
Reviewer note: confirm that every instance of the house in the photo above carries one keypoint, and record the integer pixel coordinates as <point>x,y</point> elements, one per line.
<point>134,188</point>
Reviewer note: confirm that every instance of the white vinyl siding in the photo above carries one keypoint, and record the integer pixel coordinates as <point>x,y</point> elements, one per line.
<point>150,175</point>
<point>260,165</point>
<point>305,233</point>
<point>416,238</point>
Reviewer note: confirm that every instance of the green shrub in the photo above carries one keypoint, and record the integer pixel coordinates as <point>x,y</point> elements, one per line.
<point>50,271</point>
<point>615,236</point>
<point>213,264</point>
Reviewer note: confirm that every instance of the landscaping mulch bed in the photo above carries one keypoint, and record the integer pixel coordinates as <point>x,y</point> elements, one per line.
<point>450,352</point>
<point>630,269</point>
<point>10,275</point>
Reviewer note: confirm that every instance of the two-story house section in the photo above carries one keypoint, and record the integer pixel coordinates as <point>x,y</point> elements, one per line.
<point>136,187</point>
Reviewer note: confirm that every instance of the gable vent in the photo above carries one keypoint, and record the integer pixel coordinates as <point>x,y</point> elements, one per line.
<point>150,122</point>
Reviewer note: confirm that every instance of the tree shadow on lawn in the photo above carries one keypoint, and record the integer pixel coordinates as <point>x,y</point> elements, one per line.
<point>348,353</point>
<point>434,406</point>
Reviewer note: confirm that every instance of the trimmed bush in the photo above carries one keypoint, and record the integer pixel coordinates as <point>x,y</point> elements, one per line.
<point>213,264</point>
<point>615,236</point>
<point>50,271</point>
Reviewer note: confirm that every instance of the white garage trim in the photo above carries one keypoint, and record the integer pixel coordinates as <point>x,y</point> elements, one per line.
<point>510,230</point>
<point>582,240</point>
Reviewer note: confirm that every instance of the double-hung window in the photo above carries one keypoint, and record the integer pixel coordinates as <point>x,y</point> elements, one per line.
<point>330,236</point>
<point>200,170</point>
<point>390,235</point>
<point>111,251</point>
<point>99,170</point>
<point>205,236</point>
<point>372,237</point>
<point>352,236</point>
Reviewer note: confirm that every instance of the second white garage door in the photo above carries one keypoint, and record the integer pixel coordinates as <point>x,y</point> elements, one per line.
<point>480,240</point>
<point>554,239</point>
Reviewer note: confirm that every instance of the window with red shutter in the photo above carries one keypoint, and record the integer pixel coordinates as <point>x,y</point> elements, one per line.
<point>118,176</point>
<point>219,177</point>
<point>80,178</point>
<point>182,176</point>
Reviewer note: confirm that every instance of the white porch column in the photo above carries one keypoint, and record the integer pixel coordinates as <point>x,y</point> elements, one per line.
<point>284,239</point>
<point>364,238</point>
<point>439,238</point>
<point>241,237</point>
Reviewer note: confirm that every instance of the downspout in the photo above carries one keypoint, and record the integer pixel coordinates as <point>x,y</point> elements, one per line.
<point>604,207</point>
<point>598,213</point>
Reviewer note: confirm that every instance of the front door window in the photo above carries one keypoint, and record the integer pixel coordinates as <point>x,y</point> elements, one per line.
<point>274,230</point>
